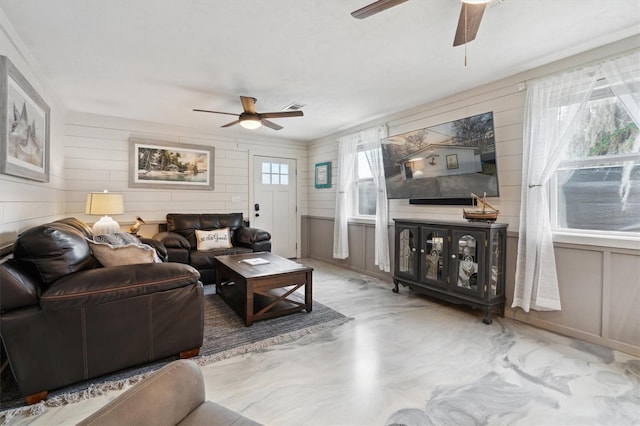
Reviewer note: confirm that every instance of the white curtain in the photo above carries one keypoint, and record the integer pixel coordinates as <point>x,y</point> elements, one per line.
<point>622,75</point>
<point>552,112</point>
<point>370,140</point>
<point>346,169</point>
<point>373,151</point>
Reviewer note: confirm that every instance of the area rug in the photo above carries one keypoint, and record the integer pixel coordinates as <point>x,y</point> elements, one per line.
<point>225,336</point>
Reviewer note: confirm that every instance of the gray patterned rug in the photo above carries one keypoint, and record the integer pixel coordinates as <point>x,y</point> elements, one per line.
<point>225,335</point>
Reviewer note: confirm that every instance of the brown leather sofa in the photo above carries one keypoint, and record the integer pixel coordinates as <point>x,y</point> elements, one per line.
<point>173,395</point>
<point>65,318</point>
<point>180,240</point>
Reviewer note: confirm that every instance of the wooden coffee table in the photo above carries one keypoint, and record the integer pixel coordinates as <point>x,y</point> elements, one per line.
<point>263,291</point>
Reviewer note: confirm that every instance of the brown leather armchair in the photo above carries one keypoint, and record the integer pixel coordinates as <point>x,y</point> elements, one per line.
<point>180,240</point>
<point>65,318</point>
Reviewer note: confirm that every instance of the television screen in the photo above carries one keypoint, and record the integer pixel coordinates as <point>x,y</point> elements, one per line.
<point>444,162</point>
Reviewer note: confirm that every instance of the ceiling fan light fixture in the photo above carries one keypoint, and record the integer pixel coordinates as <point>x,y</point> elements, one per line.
<point>476,1</point>
<point>251,123</point>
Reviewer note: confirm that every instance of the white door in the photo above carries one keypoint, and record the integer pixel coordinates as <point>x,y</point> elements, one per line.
<point>274,198</point>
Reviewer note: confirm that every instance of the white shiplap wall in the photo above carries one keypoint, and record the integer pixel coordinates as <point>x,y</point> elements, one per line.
<point>24,202</point>
<point>506,98</point>
<point>97,158</point>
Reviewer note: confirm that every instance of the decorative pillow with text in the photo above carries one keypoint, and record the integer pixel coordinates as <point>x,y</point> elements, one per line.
<point>209,240</point>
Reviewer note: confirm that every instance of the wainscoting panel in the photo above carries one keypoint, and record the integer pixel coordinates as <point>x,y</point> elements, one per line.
<point>623,292</point>
<point>599,286</point>
<point>361,245</point>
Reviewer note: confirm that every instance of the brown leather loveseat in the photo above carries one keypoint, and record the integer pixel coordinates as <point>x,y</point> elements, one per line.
<point>65,318</point>
<point>182,242</point>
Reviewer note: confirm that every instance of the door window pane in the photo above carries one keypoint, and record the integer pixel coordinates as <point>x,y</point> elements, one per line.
<point>275,174</point>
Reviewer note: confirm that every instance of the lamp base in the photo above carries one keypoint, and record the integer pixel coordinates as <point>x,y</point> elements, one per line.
<point>106,225</point>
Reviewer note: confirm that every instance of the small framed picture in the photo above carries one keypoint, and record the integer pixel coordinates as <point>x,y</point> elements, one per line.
<point>323,175</point>
<point>452,161</point>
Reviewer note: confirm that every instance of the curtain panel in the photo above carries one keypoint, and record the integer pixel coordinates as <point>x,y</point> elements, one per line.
<point>552,113</point>
<point>370,140</point>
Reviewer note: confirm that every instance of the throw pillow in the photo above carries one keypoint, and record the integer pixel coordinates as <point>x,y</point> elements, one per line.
<point>208,240</point>
<point>129,254</point>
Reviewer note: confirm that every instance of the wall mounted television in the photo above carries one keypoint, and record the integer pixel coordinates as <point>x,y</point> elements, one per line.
<point>443,164</point>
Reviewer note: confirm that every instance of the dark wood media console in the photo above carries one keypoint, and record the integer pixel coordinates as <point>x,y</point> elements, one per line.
<point>457,262</point>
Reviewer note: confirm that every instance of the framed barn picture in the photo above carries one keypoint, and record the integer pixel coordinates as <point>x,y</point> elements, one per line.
<point>24,127</point>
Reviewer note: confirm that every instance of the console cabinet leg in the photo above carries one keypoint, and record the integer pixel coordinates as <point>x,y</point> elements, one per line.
<point>487,316</point>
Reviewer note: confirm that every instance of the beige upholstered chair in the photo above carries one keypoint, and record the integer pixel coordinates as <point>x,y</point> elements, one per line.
<point>173,395</point>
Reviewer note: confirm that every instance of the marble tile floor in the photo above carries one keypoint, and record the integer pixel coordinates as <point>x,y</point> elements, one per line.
<point>406,359</point>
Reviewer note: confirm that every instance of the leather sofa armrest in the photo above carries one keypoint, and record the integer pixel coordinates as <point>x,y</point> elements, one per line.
<point>108,284</point>
<point>18,288</point>
<point>172,240</point>
<point>254,238</point>
<point>160,248</point>
<point>178,247</point>
<point>251,236</point>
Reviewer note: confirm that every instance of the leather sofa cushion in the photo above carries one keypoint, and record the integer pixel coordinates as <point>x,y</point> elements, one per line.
<point>103,285</point>
<point>205,259</point>
<point>54,250</point>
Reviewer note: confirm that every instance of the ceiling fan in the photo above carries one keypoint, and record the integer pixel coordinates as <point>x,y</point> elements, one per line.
<point>250,119</point>
<point>468,23</point>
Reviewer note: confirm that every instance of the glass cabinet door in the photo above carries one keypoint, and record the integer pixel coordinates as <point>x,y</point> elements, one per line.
<point>434,251</point>
<point>496,288</point>
<point>406,249</point>
<point>466,255</point>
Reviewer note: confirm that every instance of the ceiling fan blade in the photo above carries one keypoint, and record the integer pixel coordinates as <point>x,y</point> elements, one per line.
<point>282,114</point>
<point>248,104</point>
<point>233,123</point>
<point>468,23</point>
<point>214,112</point>
<point>271,125</point>
<point>375,7</point>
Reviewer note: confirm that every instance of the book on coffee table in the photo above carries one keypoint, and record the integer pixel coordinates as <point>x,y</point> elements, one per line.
<point>255,261</point>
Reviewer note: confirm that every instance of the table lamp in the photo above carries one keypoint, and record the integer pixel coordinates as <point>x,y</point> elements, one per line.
<point>105,203</point>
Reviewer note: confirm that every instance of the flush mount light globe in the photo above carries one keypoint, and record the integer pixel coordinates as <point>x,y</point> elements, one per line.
<point>475,1</point>
<point>250,122</point>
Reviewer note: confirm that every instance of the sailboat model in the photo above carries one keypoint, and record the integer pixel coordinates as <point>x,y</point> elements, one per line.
<point>486,213</point>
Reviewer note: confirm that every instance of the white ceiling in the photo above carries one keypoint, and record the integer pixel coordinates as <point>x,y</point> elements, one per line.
<point>156,60</point>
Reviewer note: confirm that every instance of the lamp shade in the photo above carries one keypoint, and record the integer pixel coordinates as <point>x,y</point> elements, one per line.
<point>104,203</point>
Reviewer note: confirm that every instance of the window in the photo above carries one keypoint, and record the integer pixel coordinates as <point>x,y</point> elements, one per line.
<point>364,188</point>
<point>275,174</point>
<point>596,188</point>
